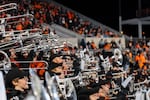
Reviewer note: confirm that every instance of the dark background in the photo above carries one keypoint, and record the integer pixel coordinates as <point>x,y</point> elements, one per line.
<point>107,12</point>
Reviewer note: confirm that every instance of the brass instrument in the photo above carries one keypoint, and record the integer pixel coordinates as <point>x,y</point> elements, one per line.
<point>139,85</point>
<point>3,89</point>
<point>4,20</point>
<point>51,84</point>
<point>7,7</point>
<point>5,63</point>
<point>38,89</point>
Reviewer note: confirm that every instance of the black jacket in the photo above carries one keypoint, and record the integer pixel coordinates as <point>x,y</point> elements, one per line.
<point>15,94</point>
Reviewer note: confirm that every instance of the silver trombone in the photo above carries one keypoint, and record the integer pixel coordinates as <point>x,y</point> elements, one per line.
<point>12,17</point>
<point>115,75</point>
<point>28,48</point>
<point>137,86</point>
<point>5,63</point>
<point>88,73</point>
<point>19,16</point>
<point>22,41</point>
<point>5,44</point>
<point>9,6</point>
<point>26,32</point>
<point>23,62</point>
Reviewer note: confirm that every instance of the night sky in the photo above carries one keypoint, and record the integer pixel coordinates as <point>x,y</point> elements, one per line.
<point>107,12</point>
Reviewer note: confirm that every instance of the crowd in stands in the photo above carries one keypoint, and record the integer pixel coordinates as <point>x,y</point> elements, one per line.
<point>48,12</point>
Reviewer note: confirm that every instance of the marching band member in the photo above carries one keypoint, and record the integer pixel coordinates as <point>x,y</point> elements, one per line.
<point>56,66</point>
<point>104,90</point>
<point>88,94</point>
<point>16,84</point>
<point>99,92</point>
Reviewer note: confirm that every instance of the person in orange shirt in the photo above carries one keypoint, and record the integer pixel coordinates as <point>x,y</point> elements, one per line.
<point>40,65</point>
<point>93,45</point>
<point>142,61</point>
<point>37,6</point>
<point>107,46</point>
<point>19,26</point>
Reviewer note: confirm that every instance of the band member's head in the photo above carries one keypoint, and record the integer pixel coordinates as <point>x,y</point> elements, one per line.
<point>104,86</point>
<point>55,64</point>
<point>56,58</point>
<point>56,68</point>
<point>16,78</point>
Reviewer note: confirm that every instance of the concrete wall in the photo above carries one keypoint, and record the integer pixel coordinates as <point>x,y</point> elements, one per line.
<point>75,41</point>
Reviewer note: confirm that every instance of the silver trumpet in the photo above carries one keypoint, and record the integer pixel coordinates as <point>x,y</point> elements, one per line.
<point>9,6</point>
<point>84,78</point>
<point>115,75</point>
